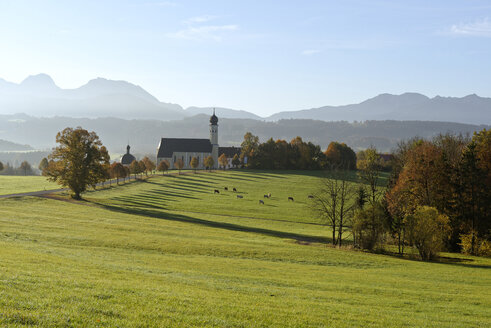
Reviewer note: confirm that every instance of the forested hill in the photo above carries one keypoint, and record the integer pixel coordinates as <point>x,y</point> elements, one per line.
<point>144,135</point>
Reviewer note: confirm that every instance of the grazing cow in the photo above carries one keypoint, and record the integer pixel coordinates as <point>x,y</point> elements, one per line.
<point>266,196</point>
<point>261,201</point>
<point>216,191</point>
<point>290,198</point>
<point>240,196</point>
<point>235,189</point>
<point>269,195</point>
<point>310,196</point>
<point>226,188</point>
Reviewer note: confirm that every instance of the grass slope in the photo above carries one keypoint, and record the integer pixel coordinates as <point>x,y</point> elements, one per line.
<point>151,254</point>
<point>20,184</point>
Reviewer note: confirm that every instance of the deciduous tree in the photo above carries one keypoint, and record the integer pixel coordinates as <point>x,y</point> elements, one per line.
<point>194,163</point>
<point>43,164</point>
<point>248,147</point>
<point>209,162</point>
<point>25,167</point>
<point>149,164</point>
<point>368,163</point>
<point>135,168</point>
<point>223,160</point>
<point>236,161</point>
<point>163,166</point>
<point>334,202</point>
<point>427,230</point>
<point>179,163</point>
<point>117,171</point>
<point>80,160</point>
<point>341,156</point>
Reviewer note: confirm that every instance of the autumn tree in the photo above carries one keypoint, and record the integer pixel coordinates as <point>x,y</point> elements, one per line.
<point>236,161</point>
<point>43,164</point>
<point>163,166</point>
<point>223,160</point>
<point>421,181</point>
<point>194,163</point>
<point>80,160</point>
<point>117,171</point>
<point>427,230</point>
<point>149,164</point>
<point>25,167</point>
<point>143,167</point>
<point>340,155</point>
<point>333,202</point>
<point>248,147</point>
<point>368,163</point>
<point>209,162</point>
<point>179,163</point>
<point>136,168</point>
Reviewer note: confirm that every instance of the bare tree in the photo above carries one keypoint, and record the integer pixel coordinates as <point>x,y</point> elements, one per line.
<point>334,202</point>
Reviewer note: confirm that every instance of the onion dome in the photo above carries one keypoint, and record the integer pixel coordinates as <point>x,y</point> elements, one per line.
<point>127,158</point>
<point>214,118</point>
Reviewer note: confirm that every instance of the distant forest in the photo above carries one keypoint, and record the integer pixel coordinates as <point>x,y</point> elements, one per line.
<point>144,135</point>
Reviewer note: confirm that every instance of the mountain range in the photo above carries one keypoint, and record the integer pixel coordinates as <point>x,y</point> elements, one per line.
<point>38,95</point>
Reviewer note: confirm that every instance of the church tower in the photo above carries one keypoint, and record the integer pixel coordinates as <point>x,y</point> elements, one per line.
<point>214,137</point>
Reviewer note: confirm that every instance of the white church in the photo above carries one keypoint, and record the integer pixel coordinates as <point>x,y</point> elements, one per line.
<point>172,149</point>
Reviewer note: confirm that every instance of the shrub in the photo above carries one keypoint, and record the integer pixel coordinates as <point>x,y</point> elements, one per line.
<point>481,246</point>
<point>427,230</point>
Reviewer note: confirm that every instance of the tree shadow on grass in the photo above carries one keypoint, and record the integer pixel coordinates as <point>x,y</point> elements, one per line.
<point>445,260</point>
<point>213,224</point>
<point>217,176</point>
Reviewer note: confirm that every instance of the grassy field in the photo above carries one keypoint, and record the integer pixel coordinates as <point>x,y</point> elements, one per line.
<point>20,184</point>
<point>169,253</point>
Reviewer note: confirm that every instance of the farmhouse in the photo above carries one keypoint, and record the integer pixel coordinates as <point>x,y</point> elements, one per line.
<point>172,149</point>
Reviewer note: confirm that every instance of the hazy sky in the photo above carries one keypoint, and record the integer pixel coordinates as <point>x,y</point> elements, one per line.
<point>261,56</point>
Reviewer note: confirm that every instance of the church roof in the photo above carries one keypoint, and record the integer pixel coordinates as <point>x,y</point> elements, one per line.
<point>127,159</point>
<point>170,145</point>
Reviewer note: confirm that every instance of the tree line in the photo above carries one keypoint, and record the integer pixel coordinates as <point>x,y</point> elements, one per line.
<point>299,155</point>
<point>438,197</point>
<point>451,174</point>
<point>294,155</point>
<point>24,168</point>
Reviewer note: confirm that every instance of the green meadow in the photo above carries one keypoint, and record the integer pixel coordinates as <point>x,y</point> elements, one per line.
<point>20,184</point>
<point>169,252</point>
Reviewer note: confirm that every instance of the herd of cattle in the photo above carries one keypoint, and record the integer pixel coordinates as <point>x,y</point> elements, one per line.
<point>268,195</point>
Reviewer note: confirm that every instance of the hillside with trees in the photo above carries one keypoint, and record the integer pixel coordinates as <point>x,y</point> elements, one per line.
<point>145,134</point>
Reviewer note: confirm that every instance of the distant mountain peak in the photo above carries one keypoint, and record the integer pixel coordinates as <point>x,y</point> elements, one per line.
<point>39,81</point>
<point>102,85</point>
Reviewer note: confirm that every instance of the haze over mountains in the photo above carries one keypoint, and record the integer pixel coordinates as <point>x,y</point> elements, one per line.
<point>39,96</point>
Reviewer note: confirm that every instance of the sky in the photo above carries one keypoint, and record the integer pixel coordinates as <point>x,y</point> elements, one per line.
<point>260,56</point>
